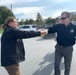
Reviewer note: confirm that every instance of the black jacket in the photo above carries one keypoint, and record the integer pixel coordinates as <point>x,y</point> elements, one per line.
<point>12,49</point>
<point>65,35</point>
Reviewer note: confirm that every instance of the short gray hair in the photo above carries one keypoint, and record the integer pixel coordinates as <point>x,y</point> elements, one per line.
<point>66,13</point>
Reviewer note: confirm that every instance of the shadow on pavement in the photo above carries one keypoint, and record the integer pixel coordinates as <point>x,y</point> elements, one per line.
<point>46,69</point>
<point>47,65</point>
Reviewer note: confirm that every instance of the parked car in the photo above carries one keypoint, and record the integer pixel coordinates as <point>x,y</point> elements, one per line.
<point>28,27</point>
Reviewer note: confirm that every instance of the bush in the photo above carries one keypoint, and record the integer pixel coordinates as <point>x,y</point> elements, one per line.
<point>1,30</point>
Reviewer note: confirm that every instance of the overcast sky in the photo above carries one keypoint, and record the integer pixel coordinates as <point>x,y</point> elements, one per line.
<point>26,9</point>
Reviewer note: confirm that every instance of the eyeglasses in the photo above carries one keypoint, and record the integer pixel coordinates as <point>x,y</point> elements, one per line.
<point>63,18</point>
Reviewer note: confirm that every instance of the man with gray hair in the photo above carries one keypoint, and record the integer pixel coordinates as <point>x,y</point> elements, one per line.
<point>66,33</point>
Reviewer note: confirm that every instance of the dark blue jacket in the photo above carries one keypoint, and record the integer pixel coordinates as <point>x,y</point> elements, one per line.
<point>65,35</point>
<point>12,49</point>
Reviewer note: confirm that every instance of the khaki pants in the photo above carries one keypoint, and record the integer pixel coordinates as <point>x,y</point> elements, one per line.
<point>13,69</point>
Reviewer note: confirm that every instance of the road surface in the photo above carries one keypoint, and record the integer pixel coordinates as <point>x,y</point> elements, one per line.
<point>40,58</point>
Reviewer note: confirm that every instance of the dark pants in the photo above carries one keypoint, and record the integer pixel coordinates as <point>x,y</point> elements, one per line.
<point>65,52</point>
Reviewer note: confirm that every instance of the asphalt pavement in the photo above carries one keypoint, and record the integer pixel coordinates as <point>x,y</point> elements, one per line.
<point>40,58</point>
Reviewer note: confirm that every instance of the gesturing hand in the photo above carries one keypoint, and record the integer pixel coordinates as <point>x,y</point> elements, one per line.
<point>44,32</point>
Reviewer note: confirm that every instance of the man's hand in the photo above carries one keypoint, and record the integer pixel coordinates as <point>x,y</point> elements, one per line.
<point>44,32</point>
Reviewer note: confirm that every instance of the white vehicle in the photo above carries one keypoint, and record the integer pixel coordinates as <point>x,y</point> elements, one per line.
<point>28,27</point>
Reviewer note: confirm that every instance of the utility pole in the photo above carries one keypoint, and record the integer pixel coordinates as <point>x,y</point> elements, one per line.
<point>11,6</point>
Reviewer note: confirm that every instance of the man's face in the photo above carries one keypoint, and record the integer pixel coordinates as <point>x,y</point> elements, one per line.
<point>14,24</point>
<point>64,19</point>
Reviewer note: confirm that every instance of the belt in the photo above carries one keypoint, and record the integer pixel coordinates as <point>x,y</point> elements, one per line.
<point>63,45</point>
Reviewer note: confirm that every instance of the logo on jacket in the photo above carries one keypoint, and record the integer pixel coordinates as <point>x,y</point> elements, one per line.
<point>72,31</point>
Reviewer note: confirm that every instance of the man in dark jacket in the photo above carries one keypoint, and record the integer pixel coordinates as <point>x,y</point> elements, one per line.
<point>66,33</point>
<point>12,49</point>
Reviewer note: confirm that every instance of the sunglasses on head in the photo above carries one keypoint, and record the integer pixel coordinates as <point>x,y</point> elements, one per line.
<point>63,18</point>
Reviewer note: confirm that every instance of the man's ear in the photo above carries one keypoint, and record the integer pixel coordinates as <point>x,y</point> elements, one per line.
<point>10,23</point>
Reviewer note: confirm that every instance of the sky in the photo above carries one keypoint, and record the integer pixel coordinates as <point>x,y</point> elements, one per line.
<point>28,9</point>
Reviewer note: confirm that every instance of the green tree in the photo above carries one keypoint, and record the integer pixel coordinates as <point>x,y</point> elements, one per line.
<point>31,21</point>
<point>39,19</point>
<point>4,13</point>
<point>27,21</point>
<point>50,21</point>
<point>21,22</point>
